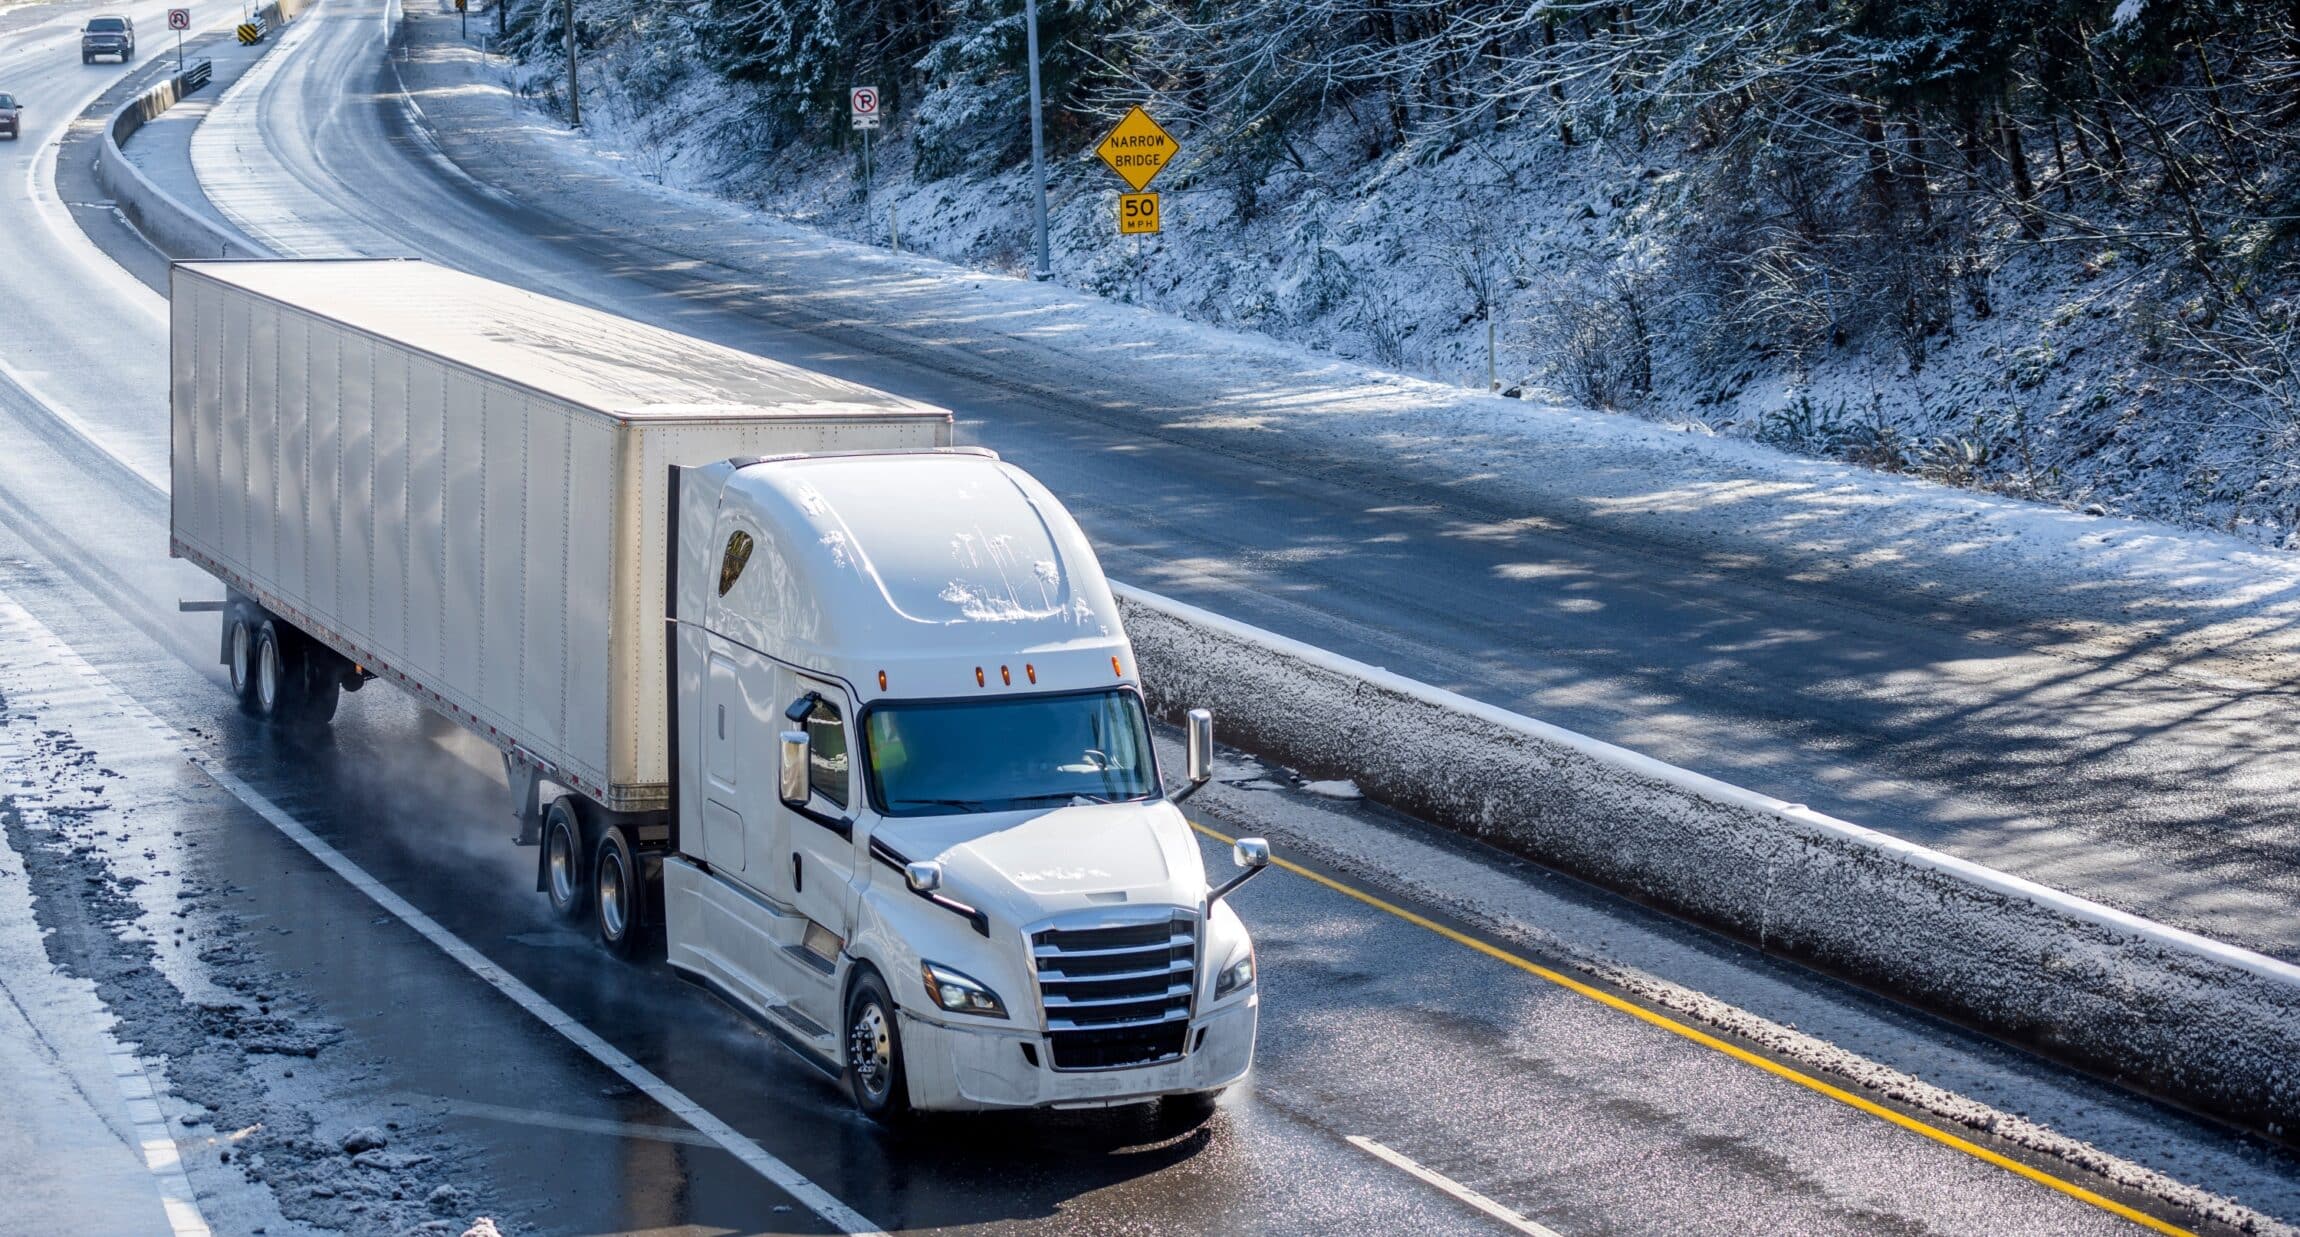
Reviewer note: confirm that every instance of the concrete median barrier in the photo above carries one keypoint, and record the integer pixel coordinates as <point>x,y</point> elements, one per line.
<point>172,227</point>
<point>2204,1024</point>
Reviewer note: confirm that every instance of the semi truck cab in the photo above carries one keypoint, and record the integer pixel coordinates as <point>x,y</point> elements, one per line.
<point>920,825</point>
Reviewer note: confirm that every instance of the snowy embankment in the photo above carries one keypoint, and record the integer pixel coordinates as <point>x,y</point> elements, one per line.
<point>2218,605</point>
<point>2170,1012</point>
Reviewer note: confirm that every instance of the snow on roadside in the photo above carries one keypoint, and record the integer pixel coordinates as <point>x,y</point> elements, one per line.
<point>2224,605</point>
<point>107,820</point>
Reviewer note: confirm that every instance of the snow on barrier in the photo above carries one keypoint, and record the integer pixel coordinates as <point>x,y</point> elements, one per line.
<point>2197,1021</point>
<point>172,227</point>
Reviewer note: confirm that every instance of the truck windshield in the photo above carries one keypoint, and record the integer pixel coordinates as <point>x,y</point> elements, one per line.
<point>1004,755</point>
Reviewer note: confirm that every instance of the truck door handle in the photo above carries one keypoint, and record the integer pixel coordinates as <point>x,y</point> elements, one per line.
<point>798,874</point>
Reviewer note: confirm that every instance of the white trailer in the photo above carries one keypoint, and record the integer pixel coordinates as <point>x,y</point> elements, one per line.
<point>459,486</point>
<point>888,784</point>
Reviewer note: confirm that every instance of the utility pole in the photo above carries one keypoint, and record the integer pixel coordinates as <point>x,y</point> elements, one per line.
<point>1045,268</point>
<point>574,92</point>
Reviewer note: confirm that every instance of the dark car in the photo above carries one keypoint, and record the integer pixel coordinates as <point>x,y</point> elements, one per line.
<point>109,35</point>
<point>11,117</point>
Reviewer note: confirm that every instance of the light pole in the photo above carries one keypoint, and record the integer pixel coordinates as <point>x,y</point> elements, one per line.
<point>1037,139</point>
<point>574,93</point>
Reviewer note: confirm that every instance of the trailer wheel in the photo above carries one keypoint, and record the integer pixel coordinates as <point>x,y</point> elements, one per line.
<point>297,683</point>
<point>874,1075</point>
<point>565,878</point>
<point>240,658</point>
<point>322,687</point>
<point>618,894</point>
<point>278,674</point>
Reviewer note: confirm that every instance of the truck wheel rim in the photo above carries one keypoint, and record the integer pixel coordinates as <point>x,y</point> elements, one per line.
<point>611,898</point>
<point>240,656</point>
<point>868,1051</point>
<point>562,868</point>
<point>268,676</point>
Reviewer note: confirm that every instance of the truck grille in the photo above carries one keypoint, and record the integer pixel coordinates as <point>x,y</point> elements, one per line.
<point>1117,996</point>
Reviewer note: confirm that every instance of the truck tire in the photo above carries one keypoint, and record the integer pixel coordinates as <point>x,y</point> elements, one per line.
<point>618,894</point>
<point>323,673</point>
<point>297,683</point>
<point>240,658</point>
<point>566,877</point>
<point>1187,1111</point>
<point>278,674</point>
<point>874,1074</point>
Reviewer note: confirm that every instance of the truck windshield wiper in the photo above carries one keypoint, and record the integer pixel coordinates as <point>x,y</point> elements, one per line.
<point>971,805</point>
<point>1060,794</point>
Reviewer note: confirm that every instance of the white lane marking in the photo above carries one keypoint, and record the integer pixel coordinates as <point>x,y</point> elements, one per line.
<point>809,1195</point>
<point>1450,1186</point>
<point>158,1145</point>
<point>577,1125</point>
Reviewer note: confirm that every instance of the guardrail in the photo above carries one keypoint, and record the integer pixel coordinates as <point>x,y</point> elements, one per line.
<point>172,227</point>
<point>2196,1021</point>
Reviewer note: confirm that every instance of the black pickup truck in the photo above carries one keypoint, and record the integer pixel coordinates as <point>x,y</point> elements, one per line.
<point>109,35</point>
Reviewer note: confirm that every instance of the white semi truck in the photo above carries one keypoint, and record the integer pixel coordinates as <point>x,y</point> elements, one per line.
<point>844,712</point>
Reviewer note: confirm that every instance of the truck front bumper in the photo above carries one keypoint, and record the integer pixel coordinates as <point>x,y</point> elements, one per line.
<point>953,1068</point>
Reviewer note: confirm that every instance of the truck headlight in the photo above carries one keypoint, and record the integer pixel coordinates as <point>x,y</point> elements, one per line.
<point>1239,974</point>
<point>958,993</point>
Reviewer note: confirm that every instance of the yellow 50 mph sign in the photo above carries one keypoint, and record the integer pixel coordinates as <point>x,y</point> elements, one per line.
<point>1137,149</point>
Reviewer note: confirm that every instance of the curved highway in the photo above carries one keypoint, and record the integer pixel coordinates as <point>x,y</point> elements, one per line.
<point>2169,785</point>
<point>1424,1067</point>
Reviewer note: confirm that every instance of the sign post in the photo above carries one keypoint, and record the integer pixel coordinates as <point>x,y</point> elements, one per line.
<point>1138,149</point>
<point>463,13</point>
<point>1045,269</point>
<point>863,114</point>
<point>179,20</point>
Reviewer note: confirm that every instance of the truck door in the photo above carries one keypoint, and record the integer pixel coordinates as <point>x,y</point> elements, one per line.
<point>821,863</point>
<point>729,744</point>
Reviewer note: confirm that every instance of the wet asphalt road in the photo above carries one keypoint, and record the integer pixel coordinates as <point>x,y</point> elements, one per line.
<point>2089,766</point>
<point>1571,1113</point>
<point>1560,1108</point>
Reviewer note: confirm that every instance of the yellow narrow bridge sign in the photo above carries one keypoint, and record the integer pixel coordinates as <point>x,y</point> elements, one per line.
<point>1137,148</point>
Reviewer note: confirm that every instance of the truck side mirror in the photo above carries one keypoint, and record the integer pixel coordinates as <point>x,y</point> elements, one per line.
<point>792,771</point>
<point>1200,761</point>
<point>925,876</point>
<point>1250,854</point>
<point>1198,751</point>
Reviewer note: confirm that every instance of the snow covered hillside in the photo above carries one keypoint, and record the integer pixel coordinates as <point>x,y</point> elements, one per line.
<point>1912,242</point>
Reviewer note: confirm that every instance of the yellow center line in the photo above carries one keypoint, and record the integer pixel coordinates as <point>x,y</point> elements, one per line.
<point>1735,1051</point>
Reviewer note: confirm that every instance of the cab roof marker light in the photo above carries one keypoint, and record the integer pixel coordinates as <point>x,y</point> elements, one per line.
<point>1005,676</point>
<point>1031,671</point>
<point>1114,670</point>
<point>978,679</point>
<point>882,680</point>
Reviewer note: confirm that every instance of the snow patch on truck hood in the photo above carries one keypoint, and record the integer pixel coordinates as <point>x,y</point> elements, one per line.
<point>1024,866</point>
